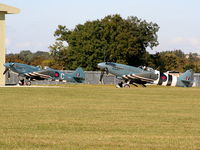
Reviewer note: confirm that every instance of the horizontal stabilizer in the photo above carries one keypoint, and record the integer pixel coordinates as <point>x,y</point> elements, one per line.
<point>187,81</point>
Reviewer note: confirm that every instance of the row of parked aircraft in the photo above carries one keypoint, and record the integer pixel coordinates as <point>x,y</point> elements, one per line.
<point>127,74</point>
<point>27,73</point>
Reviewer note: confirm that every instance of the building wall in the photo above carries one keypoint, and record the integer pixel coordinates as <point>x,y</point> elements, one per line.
<point>196,80</point>
<point>2,47</point>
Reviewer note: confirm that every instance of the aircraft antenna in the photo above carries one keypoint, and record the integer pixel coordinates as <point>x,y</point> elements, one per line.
<point>104,55</point>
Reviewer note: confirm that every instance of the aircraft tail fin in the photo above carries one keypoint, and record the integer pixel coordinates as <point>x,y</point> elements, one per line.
<point>79,75</point>
<point>187,78</point>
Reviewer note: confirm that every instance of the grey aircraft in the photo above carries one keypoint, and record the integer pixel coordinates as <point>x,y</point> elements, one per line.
<point>144,75</point>
<point>29,73</point>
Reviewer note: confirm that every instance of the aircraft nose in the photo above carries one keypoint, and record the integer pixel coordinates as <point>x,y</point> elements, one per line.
<point>7,65</point>
<point>101,65</point>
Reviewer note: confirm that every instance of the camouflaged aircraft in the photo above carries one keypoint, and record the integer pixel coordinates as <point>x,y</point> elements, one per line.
<point>144,75</point>
<point>28,73</point>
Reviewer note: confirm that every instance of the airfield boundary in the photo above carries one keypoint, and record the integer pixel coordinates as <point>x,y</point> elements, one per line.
<point>92,77</point>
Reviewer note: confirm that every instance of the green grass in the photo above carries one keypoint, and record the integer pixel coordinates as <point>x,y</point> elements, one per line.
<point>100,117</point>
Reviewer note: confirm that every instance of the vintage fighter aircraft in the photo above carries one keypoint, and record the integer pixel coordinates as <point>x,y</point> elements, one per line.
<point>144,75</point>
<point>29,73</point>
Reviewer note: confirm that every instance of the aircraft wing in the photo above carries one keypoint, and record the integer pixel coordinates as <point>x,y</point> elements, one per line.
<point>143,77</point>
<point>40,75</point>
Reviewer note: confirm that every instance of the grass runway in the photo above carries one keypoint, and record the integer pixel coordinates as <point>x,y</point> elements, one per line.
<point>96,117</point>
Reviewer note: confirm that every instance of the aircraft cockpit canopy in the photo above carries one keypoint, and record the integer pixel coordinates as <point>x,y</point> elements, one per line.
<point>110,63</point>
<point>46,67</point>
<point>146,68</point>
<point>39,66</point>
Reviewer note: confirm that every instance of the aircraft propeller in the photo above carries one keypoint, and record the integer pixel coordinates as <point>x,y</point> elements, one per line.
<point>7,70</point>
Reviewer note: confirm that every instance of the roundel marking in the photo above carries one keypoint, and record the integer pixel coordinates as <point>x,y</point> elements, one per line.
<point>164,77</point>
<point>57,74</point>
<point>77,74</point>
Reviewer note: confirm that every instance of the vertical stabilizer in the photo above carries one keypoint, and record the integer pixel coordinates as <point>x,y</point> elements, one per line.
<point>79,75</point>
<point>188,75</point>
<point>187,78</point>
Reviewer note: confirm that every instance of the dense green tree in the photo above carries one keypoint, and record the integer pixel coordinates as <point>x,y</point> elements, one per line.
<point>111,39</point>
<point>60,54</point>
<point>26,56</point>
<point>193,62</point>
<point>170,60</point>
<point>175,61</point>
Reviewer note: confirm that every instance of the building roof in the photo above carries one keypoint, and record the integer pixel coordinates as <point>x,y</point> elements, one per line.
<point>8,9</point>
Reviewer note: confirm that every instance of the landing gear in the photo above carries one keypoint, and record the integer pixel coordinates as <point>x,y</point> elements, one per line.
<point>22,82</point>
<point>28,83</point>
<point>122,85</point>
<point>143,85</point>
<point>119,85</point>
<point>135,84</point>
<point>125,85</point>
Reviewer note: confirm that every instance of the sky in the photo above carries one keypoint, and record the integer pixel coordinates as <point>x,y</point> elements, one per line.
<point>34,27</point>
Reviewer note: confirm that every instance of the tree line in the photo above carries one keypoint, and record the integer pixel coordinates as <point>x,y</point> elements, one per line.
<point>174,60</point>
<point>112,38</point>
<point>39,58</point>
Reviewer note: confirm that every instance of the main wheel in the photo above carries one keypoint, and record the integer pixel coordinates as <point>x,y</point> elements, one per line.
<point>119,85</point>
<point>21,82</point>
<point>28,83</point>
<point>126,85</point>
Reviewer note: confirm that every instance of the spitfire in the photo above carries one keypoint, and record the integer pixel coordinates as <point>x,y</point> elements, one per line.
<point>29,73</point>
<point>144,75</point>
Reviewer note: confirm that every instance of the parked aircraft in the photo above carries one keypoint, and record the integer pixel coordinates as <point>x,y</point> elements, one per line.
<point>29,73</point>
<point>144,75</point>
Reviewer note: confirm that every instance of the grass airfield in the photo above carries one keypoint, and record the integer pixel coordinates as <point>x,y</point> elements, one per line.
<point>99,117</point>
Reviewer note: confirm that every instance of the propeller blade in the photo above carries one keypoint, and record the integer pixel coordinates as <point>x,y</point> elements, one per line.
<point>5,71</point>
<point>8,74</point>
<point>106,69</point>
<point>101,76</point>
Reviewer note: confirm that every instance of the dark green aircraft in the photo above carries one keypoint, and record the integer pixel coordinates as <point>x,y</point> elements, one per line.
<point>144,75</point>
<point>29,73</point>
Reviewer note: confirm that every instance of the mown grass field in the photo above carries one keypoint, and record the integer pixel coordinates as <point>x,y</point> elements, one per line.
<point>100,117</point>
